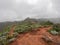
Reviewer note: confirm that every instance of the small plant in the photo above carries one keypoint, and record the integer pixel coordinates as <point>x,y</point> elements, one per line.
<point>55,30</point>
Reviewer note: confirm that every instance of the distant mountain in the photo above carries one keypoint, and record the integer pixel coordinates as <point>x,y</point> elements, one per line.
<point>5,24</point>
<point>54,20</point>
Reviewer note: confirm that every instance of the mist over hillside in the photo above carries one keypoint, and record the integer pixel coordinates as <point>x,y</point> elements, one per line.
<point>3,25</point>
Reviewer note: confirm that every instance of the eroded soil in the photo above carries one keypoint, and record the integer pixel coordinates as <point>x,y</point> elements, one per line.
<point>36,38</point>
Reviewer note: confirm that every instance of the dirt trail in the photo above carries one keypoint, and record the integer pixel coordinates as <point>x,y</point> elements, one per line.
<point>12,30</point>
<point>35,38</point>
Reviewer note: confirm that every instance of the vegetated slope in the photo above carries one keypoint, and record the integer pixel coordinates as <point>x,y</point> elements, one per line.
<point>38,36</point>
<point>30,32</point>
<point>3,25</point>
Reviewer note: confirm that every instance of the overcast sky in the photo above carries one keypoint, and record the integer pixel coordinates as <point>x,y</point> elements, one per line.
<point>11,10</point>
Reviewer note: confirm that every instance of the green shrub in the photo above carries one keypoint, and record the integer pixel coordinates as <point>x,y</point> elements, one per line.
<point>53,32</point>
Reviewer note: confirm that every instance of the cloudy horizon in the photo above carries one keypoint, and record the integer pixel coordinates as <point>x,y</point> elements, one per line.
<point>12,10</point>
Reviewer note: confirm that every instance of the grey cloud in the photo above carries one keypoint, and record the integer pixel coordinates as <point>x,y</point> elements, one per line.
<point>56,4</point>
<point>7,10</point>
<point>10,10</point>
<point>7,15</point>
<point>40,10</point>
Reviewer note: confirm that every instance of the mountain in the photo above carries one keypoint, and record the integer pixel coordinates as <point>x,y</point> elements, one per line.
<point>5,24</point>
<point>54,20</point>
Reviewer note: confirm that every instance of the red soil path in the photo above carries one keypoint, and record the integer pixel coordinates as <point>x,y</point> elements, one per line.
<point>12,30</point>
<point>35,38</point>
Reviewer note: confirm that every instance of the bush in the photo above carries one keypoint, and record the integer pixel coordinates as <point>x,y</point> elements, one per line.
<point>47,23</point>
<point>53,32</point>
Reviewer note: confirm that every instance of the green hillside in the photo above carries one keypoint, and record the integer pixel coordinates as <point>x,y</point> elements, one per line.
<point>25,26</point>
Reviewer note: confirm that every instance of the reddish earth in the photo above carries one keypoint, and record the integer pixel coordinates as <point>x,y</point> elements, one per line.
<point>12,30</point>
<point>35,38</point>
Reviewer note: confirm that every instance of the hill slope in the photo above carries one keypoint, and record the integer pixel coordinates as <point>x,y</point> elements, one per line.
<point>38,37</point>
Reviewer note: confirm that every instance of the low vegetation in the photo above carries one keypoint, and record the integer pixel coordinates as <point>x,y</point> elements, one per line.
<point>23,27</point>
<point>55,30</point>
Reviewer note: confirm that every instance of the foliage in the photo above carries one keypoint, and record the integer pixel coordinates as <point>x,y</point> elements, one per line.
<point>24,26</point>
<point>47,23</point>
<point>55,30</point>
